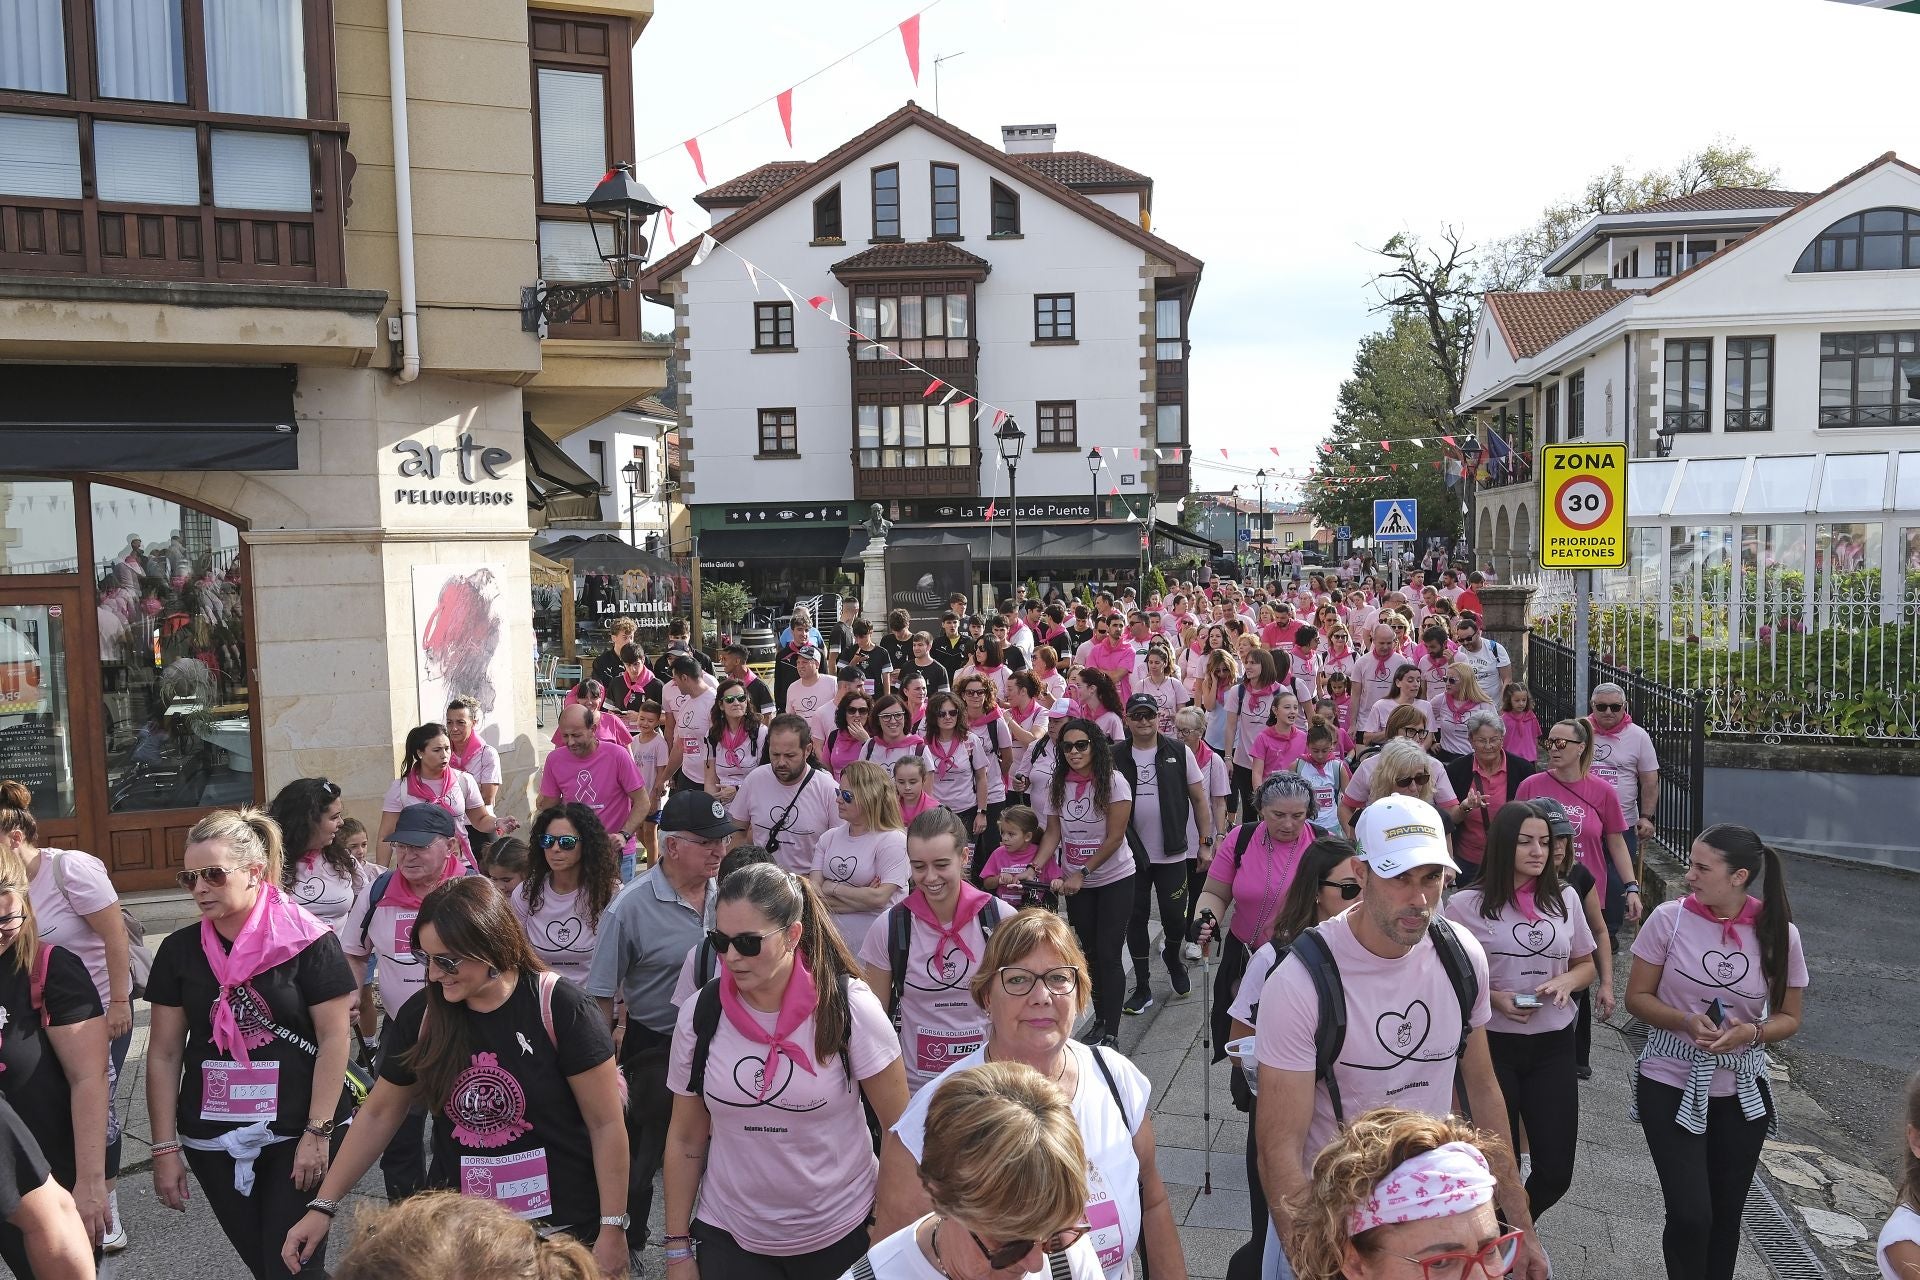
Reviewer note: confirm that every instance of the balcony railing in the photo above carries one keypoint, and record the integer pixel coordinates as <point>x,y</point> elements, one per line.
<point>1750,419</point>
<point>1172,479</point>
<point>1681,421</point>
<point>906,481</point>
<point>1871,415</point>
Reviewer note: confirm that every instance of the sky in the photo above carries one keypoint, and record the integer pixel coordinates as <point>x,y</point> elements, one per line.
<point>1286,141</point>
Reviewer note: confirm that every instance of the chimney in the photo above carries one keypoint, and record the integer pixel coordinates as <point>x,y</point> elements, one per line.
<point>1027,139</point>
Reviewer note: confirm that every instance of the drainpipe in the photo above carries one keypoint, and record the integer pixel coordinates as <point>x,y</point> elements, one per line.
<point>403,195</point>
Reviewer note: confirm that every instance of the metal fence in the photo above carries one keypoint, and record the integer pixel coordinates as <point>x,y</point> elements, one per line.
<point>1774,656</point>
<point>1676,720</point>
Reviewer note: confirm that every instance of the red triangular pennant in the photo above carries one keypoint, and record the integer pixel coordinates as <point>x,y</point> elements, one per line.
<point>1450,440</point>
<point>910,37</point>
<point>931,388</point>
<point>1386,446</point>
<point>993,508</point>
<point>785,101</point>
<point>699,166</point>
<point>817,301</point>
<point>670,235</point>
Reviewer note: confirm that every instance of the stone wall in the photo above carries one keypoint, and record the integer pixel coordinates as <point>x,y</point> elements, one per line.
<point>1852,802</point>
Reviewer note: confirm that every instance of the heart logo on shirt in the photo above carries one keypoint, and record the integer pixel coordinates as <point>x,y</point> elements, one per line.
<point>1079,809</point>
<point>1724,968</point>
<point>840,867</point>
<point>564,933</point>
<point>749,1076</point>
<point>311,889</point>
<point>947,968</point>
<point>1402,1034</point>
<point>1532,938</point>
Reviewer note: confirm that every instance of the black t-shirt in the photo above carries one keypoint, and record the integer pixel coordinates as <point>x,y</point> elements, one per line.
<point>1076,636</point>
<point>759,697</point>
<point>33,1081</point>
<point>873,665</point>
<point>515,1099</point>
<point>1581,879</point>
<point>952,653</point>
<point>23,1169</point>
<point>899,651</point>
<point>935,674</point>
<point>182,979</point>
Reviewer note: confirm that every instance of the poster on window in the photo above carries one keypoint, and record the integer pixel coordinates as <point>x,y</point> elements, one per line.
<point>921,577</point>
<point>460,645</point>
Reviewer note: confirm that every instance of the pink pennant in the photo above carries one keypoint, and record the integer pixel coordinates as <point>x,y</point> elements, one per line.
<point>786,114</point>
<point>818,301</point>
<point>910,38</point>
<point>993,508</point>
<point>1115,489</point>
<point>1386,446</point>
<point>1450,440</point>
<point>1223,453</point>
<point>1326,448</point>
<point>699,166</point>
<point>670,236</point>
<point>931,388</point>
<point>1176,454</point>
<point>1136,455</point>
<point>1274,449</point>
<point>965,401</point>
<point>999,416</point>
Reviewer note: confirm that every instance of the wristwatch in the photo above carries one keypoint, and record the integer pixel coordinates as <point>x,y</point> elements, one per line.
<point>621,1221</point>
<point>319,1130</point>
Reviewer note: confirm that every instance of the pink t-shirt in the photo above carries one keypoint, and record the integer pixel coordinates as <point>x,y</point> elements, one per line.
<point>1361,783</point>
<point>608,728</point>
<point>802,810</point>
<point>877,856</point>
<point>1112,725</point>
<point>1146,803</point>
<point>651,756</point>
<point>1279,753</point>
<point>561,932</point>
<point>461,790</point>
<point>692,721</point>
<point>1373,677</point>
<point>1403,1028</point>
<point>63,896</point>
<point>994,737</point>
<point>1001,860</point>
<point>1260,882</point>
<point>1523,733</point>
<point>1523,953</point>
<point>323,890</point>
<point>1450,723</point>
<point>604,782</point>
<point>1593,809</point>
<point>793,1172</point>
<point>950,768</point>
<point>878,752</point>
<point>814,703</point>
<point>1434,671</point>
<point>733,761</point>
<point>1251,707</point>
<point>389,936</point>
<point>1699,966</point>
<point>1621,758</point>
<point>939,1022</point>
<point>1083,829</point>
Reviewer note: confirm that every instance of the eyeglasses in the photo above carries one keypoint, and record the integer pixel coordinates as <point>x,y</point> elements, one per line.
<point>893,715</point>
<point>1495,1259</point>
<point>1000,1257</point>
<point>1563,742</point>
<point>1419,779</point>
<point>1609,706</point>
<point>566,844</point>
<point>1349,889</point>
<point>216,876</point>
<point>448,965</point>
<point>14,920</point>
<point>734,697</point>
<point>946,713</point>
<point>846,796</point>
<point>1076,744</point>
<point>747,944</point>
<point>1016,981</point>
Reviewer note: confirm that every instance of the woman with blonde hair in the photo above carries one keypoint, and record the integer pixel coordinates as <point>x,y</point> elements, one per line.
<point>1400,1195</point>
<point>1461,696</point>
<point>1403,768</point>
<point>438,1234</point>
<point>1006,1175</point>
<point>860,866</point>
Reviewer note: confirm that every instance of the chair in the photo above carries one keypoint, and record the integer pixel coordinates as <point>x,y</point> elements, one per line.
<point>543,688</point>
<point>566,675</point>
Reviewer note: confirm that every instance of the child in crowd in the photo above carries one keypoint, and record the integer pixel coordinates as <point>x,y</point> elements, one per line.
<point>1898,1249</point>
<point>910,784</point>
<point>1523,726</point>
<point>506,864</point>
<point>1325,772</point>
<point>1340,689</point>
<point>650,751</point>
<point>1009,865</point>
<point>352,839</point>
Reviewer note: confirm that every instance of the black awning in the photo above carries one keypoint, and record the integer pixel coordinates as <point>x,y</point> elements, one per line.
<point>1186,538</point>
<point>1069,544</point>
<point>89,417</point>
<point>551,474</point>
<point>604,553</point>
<point>728,547</point>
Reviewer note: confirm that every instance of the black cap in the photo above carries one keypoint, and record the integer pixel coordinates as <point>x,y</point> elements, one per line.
<point>421,824</point>
<point>807,651</point>
<point>1558,823</point>
<point>1143,702</point>
<point>697,814</point>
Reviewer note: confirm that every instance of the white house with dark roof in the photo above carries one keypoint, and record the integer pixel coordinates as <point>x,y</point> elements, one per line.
<point>1027,277</point>
<point>1759,352</point>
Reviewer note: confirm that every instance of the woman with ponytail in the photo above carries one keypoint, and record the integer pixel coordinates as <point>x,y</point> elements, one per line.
<point>516,1068</point>
<point>769,1064</point>
<point>249,1043</point>
<point>1717,976</point>
<point>320,874</point>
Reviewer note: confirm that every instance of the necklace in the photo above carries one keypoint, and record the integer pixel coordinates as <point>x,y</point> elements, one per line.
<point>933,1240</point>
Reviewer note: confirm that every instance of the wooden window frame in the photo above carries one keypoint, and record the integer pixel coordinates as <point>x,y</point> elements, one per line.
<point>1686,418</point>
<point>996,191</point>
<point>1745,350</point>
<point>873,190</point>
<point>600,43</point>
<point>1052,300</point>
<point>1577,405</point>
<point>781,316</point>
<point>785,423</point>
<point>1048,435</point>
<point>838,234</point>
<point>934,169</point>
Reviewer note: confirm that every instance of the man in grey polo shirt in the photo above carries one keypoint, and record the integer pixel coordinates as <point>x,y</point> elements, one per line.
<point>644,941</point>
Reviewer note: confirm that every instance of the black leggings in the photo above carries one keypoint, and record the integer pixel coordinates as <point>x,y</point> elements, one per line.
<point>1246,1260</point>
<point>723,1256</point>
<point>1242,797</point>
<point>257,1223</point>
<point>1704,1178</point>
<point>1536,1076</point>
<point>1099,918</point>
<point>1168,880</point>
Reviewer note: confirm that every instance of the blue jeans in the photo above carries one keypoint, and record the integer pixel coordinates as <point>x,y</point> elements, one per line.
<point>1274,1264</point>
<point>626,866</point>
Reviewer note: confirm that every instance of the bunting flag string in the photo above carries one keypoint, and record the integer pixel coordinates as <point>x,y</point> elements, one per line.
<point>699,166</point>
<point>910,41</point>
<point>786,115</point>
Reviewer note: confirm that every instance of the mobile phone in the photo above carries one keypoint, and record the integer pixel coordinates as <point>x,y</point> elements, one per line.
<point>1522,1001</point>
<point>1717,1012</point>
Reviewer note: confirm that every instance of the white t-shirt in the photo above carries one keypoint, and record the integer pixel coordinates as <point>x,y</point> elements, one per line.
<point>1083,829</point>
<point>803,811</point>
<point>939,1022</point>
<point>1523,953</point>
<point>323,890</point>
<point>732,762</point>
<point>461,791</point>
<point>1903,1226</point>
<point>813,703</point>
<point>899,1257</point>
<point>951,764</point>
<point>1170,694</point>
<point>692,719</point>
<point>1146,804</point>
<point>1113,1175</point>
<point>400,977</point>
<point>844,858</point>
<point>561,932</point>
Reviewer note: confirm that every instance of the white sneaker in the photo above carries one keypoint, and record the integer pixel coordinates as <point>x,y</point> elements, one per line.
<point>1526,1166</point>
<point>116,1233</point>
<point>1191,951</point>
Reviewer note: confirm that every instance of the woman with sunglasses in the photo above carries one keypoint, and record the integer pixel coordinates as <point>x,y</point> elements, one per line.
<point>517,1070</point>
<point>1593,806</point>
<point>427,776</point>
<point>957,760</point>
<point>1032,982</point>
<point>1088,808</point>
<point>53,1060</point>
<point>987,724</point>
<point>249,1042</point>
<point>1006,1176</point>
<point>989,663</point>
<point>771,1139</point>
<point>1408,724</point>
<point>860,866</point>
<point>1326,884</point>
<point>573,872</point>
<point>851,733</point>
<point>1460,697</point>
<point>1409,687</point>
<point>1540,956</point>
<point>736,739</point>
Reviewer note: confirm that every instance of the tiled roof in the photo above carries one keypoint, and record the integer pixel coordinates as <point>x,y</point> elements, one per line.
<point>1080,168</point>
<point>937,254</point>
<point>754,183</point>
<point>1532,322</point>
<point>1727,199</point>
<point>652,408</point>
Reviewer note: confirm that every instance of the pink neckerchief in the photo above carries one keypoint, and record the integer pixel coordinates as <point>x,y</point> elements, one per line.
<point>1034,710</point>
<point>1523,901</point>
<point>1202,752</point>
<point>1729,935</point>
<point>401,895</point>
<point>908,812</point>
<point>275,931</point>
<point>1459,709</point>
<point>417,788</point>
<point>911,742</point>
<point>986,718</point>
<point>796,1006</point>
<point>461,758</point>
<point>1080,781</point>
<point>943,760</point>
<point>733,739</point>
<point>1626,719</point>
<point>1380,664</point>
<point>964,910</point>
<point>843,751</point>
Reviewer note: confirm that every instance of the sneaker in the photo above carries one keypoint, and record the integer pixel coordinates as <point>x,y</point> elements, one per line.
<point>1094,1033</point>
<point>1583,1072</point>
<point>1110,1041</point>
<point>116,1231</point>
<point>1182,984</point>
<point>1139,1001</point>
<point>1191,952</point>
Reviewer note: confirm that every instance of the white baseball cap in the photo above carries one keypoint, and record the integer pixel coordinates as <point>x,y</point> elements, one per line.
<point>1397,833</point>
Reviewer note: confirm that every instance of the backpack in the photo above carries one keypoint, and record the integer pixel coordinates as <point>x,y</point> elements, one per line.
<point>900,939</point>
<point>706,1021</point>
<point>1330,1031</point>
<point>374,897</point>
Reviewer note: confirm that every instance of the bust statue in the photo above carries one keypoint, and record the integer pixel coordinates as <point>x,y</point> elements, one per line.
<point>876,524</point>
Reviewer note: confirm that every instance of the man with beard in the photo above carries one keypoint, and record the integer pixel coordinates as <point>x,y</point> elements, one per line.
<point>789,801</point>
<point>594,773</point>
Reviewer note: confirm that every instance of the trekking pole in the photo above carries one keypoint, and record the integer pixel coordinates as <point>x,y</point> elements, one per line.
<point>1206,1054</point>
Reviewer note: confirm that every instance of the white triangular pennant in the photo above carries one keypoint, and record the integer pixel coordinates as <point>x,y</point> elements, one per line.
<point>707,244</point>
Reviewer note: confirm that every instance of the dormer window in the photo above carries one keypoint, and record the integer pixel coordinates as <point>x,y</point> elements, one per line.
<point>1006,211</point>
<point>1877,240</point>
<point>826,217</point>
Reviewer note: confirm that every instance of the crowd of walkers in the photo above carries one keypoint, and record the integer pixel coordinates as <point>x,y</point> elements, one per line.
<point>842,959</point>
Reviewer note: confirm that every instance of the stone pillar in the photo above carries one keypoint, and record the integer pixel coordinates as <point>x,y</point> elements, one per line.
<point>873,582</point>
<point>1508,610</point>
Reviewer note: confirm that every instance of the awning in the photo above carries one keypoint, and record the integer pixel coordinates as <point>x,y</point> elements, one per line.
<point>1186,538</point>
<point>604,553</point>
<point>1076,544</point>
<point>90,417</point>
<point>731,548</point>
<point>555,483</point>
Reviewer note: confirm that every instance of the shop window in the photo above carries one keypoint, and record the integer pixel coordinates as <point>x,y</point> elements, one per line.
<point>35,712</point>
<point>37,527</point>
<point>1846,560</point>
<point>173,654</point>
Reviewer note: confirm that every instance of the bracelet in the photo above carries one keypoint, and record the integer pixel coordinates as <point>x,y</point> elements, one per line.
<point>670,1239</point>
<point>1632,886</point>
<point>164,1149</point>
<point>329,1207</point>
<point>119,1002</point>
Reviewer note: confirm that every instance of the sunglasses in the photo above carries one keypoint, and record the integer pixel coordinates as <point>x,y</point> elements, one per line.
<point>1143,715</point>
<point>216,876</point>
<point>1563,742</point>
<point>946,713</point>
<point>566,844</point>
<point>1076,744</point>
<point>858,711</point>
<point>1349,889</point>
<point>328,789</point>
<point>975,693</point>
<point>448,965</point>
<point>734,697</point>
<point>1419,779</point>
<point>1609,706</point>
<point>846,796</point>
<point>1004,1256</point>
<point>1453,679</point>
<point>747,944</point>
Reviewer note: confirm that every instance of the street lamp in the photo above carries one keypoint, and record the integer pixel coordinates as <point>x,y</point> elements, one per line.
<point>1093,473</point>
<point>1011,440</point>
<point>1261,476</point>
<point>632,472</point>
<point>1470,456</point>
<point>631,211</point>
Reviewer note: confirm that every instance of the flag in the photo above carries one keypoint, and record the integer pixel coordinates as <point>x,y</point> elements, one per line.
<point>670,236</point>
<point>931,388</point>
<point>948,399</point>
<point>752,275</point>
<point>786,115</point>
<point>910,39</point>
<point>706,247</point>
<point>993,508</point>
<point>699,166</point>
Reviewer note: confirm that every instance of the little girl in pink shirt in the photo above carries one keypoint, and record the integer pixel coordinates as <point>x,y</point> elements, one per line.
<point>1009,865</point>
<point>1523,726</point>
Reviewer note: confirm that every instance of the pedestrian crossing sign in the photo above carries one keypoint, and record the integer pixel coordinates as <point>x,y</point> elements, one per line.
<point>1395,519</point>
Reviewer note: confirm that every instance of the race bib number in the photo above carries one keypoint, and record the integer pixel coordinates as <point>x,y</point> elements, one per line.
<point>936,1049</point>
<point>403,932</point>
<point>234,1094</point>
<point>1074,857</point>
<point>1103,1216</point>
<point>517,1183</point>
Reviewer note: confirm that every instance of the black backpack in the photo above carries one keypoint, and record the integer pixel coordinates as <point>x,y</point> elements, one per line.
<point>900,940</point>
<point>1330,1033</point>
<point>706,1021</point>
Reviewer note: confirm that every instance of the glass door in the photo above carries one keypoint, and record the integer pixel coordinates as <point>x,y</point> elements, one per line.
<point>36,704</point>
